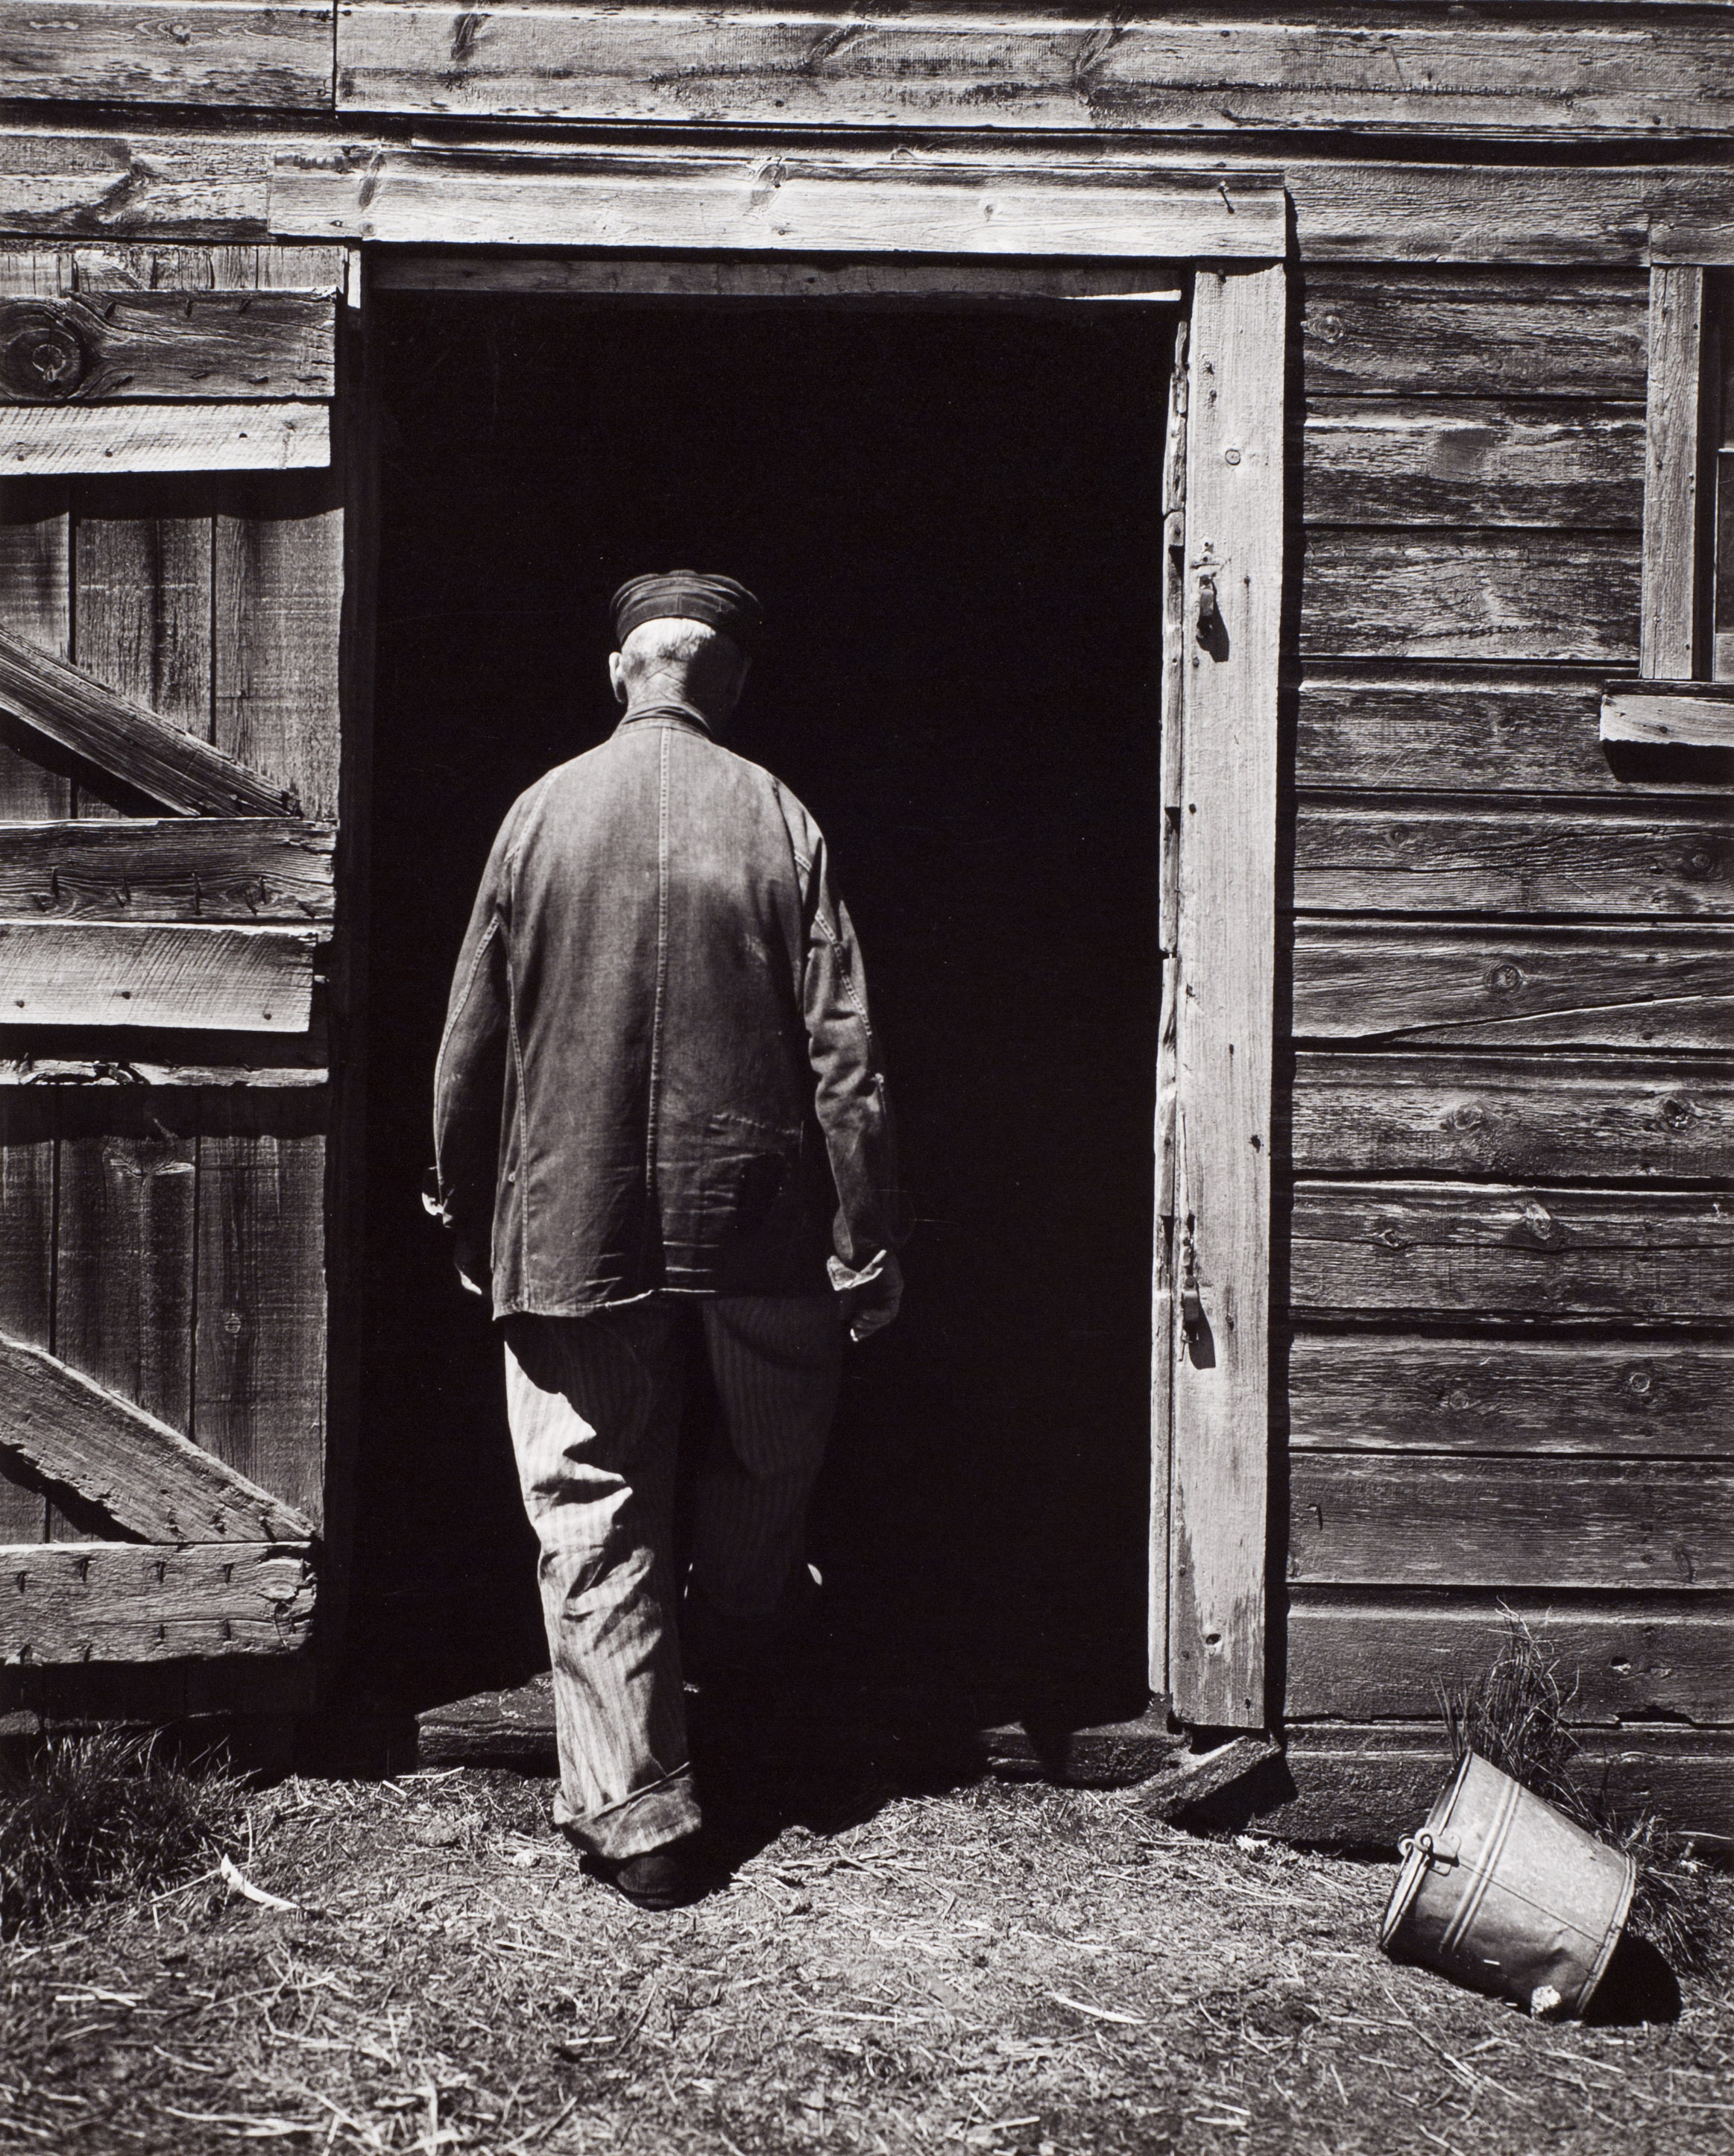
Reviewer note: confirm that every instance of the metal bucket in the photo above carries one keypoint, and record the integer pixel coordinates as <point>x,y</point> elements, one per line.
<point>1502,1892</point>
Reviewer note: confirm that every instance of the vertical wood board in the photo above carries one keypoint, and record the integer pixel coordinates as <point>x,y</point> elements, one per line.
<point>1668,637</point>
<point>27,1262</point>
<point>35,603</point>
<point>259,1346</point>
<point>277,622</point>
<point>1227,937</point>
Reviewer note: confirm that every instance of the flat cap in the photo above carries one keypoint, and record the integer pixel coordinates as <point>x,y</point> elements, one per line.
<point>689,595</point>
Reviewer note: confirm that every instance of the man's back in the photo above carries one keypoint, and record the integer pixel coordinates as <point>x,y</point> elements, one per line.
<point>658,975</point>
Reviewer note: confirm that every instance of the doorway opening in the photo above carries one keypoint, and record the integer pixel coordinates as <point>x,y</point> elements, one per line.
<point>954,520</point>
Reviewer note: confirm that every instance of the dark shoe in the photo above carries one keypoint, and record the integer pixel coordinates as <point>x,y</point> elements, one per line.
<point>669,1877</point>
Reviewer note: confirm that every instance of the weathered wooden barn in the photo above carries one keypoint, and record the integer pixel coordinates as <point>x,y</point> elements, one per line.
<point>1439,965</point>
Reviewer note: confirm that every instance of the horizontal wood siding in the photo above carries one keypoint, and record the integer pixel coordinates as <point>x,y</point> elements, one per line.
<point>167,1240</point>
<point>1620,1657</point>
<point>1416,1520</point>
<point>1509,1253</point>
<point>155,52</point>
<point>1644,73</point>
<point>1649,1394</point>
<point>123,1602</point>
<point>141,346</point>
<point>1446,1113</point>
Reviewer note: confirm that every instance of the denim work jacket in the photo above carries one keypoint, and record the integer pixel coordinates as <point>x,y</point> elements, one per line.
<point>658,1071</point>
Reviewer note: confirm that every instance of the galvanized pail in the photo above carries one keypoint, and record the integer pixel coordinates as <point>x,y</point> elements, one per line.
<point>1502,1892</point>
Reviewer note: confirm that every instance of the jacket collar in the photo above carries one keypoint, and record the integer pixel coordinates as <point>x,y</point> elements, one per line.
<point>687,718</point>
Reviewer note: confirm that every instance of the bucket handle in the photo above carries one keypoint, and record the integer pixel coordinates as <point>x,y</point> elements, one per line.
<point>1433,1852</point>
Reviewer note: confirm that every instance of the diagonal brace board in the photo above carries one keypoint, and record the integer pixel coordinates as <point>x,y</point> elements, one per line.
<point>130,741</point>
<point>146,1476</point>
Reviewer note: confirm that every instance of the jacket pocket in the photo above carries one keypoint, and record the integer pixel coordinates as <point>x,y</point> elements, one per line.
<point>748,1166</point>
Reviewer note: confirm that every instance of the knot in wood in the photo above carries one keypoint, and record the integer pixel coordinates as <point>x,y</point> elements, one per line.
<point>1677,1113</point>
<point>1538,1222</point>
<point>43,350</point>
<point>1506,979</point>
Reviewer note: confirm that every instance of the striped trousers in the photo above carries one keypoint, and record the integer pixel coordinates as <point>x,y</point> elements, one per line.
<point>594,1404</point>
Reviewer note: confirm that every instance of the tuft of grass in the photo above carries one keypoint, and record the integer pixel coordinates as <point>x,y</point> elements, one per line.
<point>104,1817</point>
<point>1514,1714</point>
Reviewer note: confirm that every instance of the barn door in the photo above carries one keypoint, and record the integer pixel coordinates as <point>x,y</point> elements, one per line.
<point>171,581</point>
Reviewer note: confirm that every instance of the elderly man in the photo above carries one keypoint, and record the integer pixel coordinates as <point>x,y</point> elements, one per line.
<point>658,1110</point>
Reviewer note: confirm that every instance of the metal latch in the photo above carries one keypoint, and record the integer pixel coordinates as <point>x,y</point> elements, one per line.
<point>1192,1301</point>
<point>1209,615</point>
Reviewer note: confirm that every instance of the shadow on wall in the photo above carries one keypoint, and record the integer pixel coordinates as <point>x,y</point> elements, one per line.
<point>954,521</point>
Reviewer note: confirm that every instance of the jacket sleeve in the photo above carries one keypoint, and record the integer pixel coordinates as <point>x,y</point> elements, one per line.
<point>854,1113</point>
<point>469,1076</point>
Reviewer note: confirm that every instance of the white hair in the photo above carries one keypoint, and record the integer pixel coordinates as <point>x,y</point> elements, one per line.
<point>667,642</point>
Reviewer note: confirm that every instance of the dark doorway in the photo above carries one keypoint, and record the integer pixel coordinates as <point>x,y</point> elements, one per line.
<point>954,520</point>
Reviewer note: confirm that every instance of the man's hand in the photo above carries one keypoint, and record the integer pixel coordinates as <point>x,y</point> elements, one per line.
<point>870,1297</point>
<point>470,1269</point>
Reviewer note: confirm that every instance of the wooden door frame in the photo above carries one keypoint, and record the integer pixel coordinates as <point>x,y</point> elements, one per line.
<point>1211,1359</point>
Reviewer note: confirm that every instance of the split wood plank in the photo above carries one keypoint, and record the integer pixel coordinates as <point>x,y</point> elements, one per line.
<point>1386,1391</point>
<point>1618,1659</point>
<point>1169,763</point>
<point>1471,463</point>
<point>109,973</point>
<point>1225,1000</point>
<point>278,611</point>
<point>222,268</point>
<point>127,1602</point>
<point>1461,1250</point>
<point>1447,1114</point>
<point>1669,714</point>
<point>1404,858</point>
<point>63,267</point>
<point>129,346</point>
<point>1668,643</point>
<point>1459,331</point>
<point>143,52</point>
<point>260,1350</point>
<point>1422,1520</point>
<point>1496,987</point>
<point>1471,595</point>
<point>281,436</point>
<point>133,1466</point>
<point>28,1131</point>
<point>802,201</point>
<point>1521,733</point>
<point>114,1072</point>
<point>129,741</point>
<point>185,869</point>
<point>880,284</point>
<point>36,606</point>
<point>1212,73</point>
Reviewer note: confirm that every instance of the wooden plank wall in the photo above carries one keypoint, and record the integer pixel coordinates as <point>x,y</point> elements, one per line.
<point>169,1240</point>
<point>1510,1376</point>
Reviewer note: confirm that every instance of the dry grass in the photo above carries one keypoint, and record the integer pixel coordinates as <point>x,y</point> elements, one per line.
<point>988,1968</point>
<point>1515,1715</point>
<point>104,1816</point>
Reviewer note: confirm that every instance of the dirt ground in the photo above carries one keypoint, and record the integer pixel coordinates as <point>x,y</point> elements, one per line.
<point>994,1966</point>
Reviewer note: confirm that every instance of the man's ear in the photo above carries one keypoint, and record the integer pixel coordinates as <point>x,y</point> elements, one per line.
<point>617,677</point>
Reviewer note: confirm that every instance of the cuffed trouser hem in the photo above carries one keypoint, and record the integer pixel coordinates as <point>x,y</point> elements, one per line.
<point>661,1813</point>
